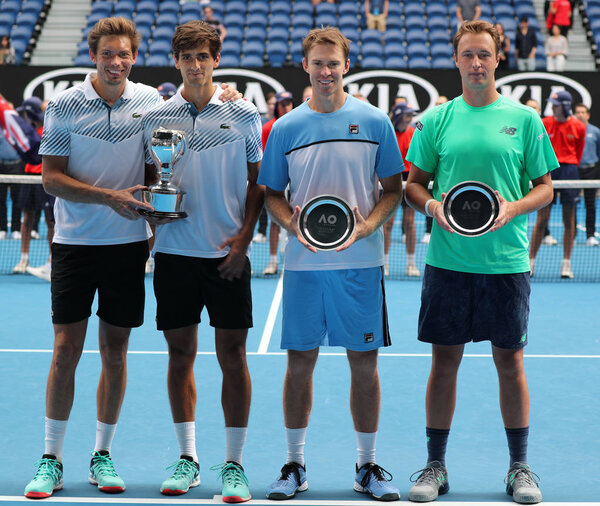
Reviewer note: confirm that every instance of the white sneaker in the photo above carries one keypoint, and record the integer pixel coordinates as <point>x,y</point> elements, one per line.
<point>592,241</point>
<point>549,241</point>
<point>412,271</point>
<point>16,235</point>
<point>42,272</point>
<point>271,268</point>
<point>426,237</point>
<point>403,238</point>
<point>386,270</point>
<point>259,238</point>
<point>21,267</point>
<point>35,234</point>
<point>3,235</point>
<point>565,269</point>
<point>149,266</point>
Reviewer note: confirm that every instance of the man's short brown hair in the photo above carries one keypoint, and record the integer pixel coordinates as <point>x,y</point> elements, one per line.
<point>477,27</point>
<point>328,35</point>
<point>114,26</point>
<point>193,34</point>
<point>581,104</point>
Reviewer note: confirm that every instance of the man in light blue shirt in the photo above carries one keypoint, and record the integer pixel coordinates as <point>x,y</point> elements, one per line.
<point>589,168</point>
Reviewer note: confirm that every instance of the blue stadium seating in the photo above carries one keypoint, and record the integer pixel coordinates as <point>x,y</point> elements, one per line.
<point>419,63</point>
<point>147,6</point>
<point>253,48</point>
<point>504,10</point>
<point>169,6</point>
<point>234,19</point>
<point>229,61</point>
<point>236,7</point>
<point>259,7</point>
<point>393,36</point>
<point>158,60</point>
<point>371,49</point>
<point>395,62</point>
<point>27,19</point>
<point>415,22</point>
<point>351,34</point>
<point>301,8</point>
<point>437,23</point>
<point>252,61</point>
<point>281,7</point>
<point>371,36</point>
<point>394,22</point>
<point>413,10</point>
<point>394,50</point>
<point>166,19</point>
<point>159,47</point>
<point>441,51</point>
<point>443,63</point>
<point>278,35</point>
<point>349,9</point>
<point>144,19</point>
<point>104,8</point>
<point>303,21</point>
<point>348,21</point>
<point>279,20</point>
<point>254,34</point>
<point>325,19</point>
<point>189,16</point>
<point>231,47</point>
<point>417,49</point>
<point>191,8</point>
<point>415,35</point>
<point>394,9</point>
<point>11,6</point>
<point>277,53</point>
<point>82,61</point>
<point>325,8</point>
<point>437,36</point>
<point>163,33</point>
<point>436,10</point>
<point>140,61</point>
<point>372,62</point>
<point>257,21</point>
<point>234,33</point>
<point>297,34</point>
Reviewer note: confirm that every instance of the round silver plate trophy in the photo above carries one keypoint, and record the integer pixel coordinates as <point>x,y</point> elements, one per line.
<point>167,148</point>
<point>326,222</point>
<point>471,207</point>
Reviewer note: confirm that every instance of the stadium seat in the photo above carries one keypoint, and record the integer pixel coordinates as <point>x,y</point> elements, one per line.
<point>372,62</point>
<point>349,9</point>
<point>231,47</point>
<point>277,53</point>
<point>395,62</point>
<point>235,7</point>
<point>296,53</point>
<point>325,19</point>
<point>258,7</point>
<point>281,7</point>
<point>419,63</point>
<point>436,10</point>
<point>354,52</point>
<point>303,21</point>
<point>253,48</point>
<point>169,6</point>
<point>159,47</point>
<point>394,9</point>
<point>348,21</point>
<point>192,8</point>
<point>21,33</point>
<point>158,60</point>
<point>229,61</point>
<point>415,35</point>
<point>302,8</point>
<point>325,8</point>
<point>143,30</point>
<point>103,8</point>
<point>437,23</point>
<point>142,48</point>
<point>166,19</point>
<point>10,6</point>
<point>297,34</point>
<point>437,36</point>
<point>278,35</point>
<point>255,34</point>
<point>413,10</point>
<point>144,19</point>
<point>234,33</point>
<point>163,33</point>
<point>417,49</point>
<point>441,51</point>
<point>189,16</point>
<point>93,18</point>
<point>82,61</point>
<point>371,36</point>
<point>252,61</point>
<point>147,6</point>
<point>257,21</point>
<point>234,19</point>
<point>393,36</point>
<point>371,49</point>
<point>503,10</point>
<point>394,50</point>
<point>394,23</point>
<point>279,21</point>
<point>351,34</point>
<point>443,63</point>
<point>509,25</point>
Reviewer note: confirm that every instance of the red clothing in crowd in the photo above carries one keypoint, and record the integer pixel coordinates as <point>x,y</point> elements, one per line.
<point>567,138</point>
<point>404,139</point>
<point>29,167</point>
<point>266,131</point>
<point>562,16</point>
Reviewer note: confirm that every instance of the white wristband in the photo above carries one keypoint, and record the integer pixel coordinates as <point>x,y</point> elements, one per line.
<point>427,207</point>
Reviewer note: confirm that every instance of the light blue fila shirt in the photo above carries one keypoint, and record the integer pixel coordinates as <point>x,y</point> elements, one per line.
<point>343,153</point>
<point>105,149</point>
<point>221,139</point>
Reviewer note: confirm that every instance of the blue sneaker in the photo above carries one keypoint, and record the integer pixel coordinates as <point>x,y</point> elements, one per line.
<point>291,480</point>
<point>186,475</point>
<point>374,480</point>
<point>103,473</point>
<point>47,479</point>
<point>432,482</point>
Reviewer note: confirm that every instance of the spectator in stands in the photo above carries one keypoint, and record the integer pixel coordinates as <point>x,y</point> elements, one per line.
<point>504,52</point>
<point>7,52</point>
<point>307,93</point>
<point>402,116</point>
<point>268,116</point>
<point>589,168</point>
<point>209,17</point>
<point>567,135</point>
<point>468,10</point>
<point>11,164</point>
<point>557,48</point>
<point>525,46</point>
<point>167,90</point>
<point>376,12</point>
<point>442,99</point>
<point>559,14</point>
<point>32,197</point>
<point>284,103</point>
<point>316,2</point>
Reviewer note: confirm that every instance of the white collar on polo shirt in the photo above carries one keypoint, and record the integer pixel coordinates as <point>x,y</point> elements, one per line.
<point>91,94</point>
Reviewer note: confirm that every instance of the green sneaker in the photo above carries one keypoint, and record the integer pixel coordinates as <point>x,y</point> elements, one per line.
<point>47,479</point>
<point>235,483</point>
<point>186,475</point>
<point>103,474</point>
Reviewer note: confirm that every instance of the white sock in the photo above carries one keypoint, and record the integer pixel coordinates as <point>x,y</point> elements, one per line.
<point>55,437</point>
<point>25,257</point>
<point>366,447</point>
<point>186,437</point>
<point>273,259</point>
<point>410,259</point>
<point>296,439</point>
<point>104,436</point>
<point>235,438</point>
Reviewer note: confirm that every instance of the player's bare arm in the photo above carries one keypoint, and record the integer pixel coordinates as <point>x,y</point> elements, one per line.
<point>540,196</point>
<point>56,182</point>
<point>233,265</point>
<point>387,205</point>
<point>417,196</point>
<point>280,210</point>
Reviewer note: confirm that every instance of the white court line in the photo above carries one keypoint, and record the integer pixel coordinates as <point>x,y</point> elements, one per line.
<point>323,354</point>
<point>272,316</point>
<point>218,500</point>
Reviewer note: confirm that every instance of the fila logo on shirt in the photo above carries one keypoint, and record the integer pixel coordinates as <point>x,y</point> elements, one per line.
<point>353,129</point>
<point>508,130</point>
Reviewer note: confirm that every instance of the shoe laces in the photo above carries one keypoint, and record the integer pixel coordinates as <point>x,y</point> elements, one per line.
<point>523,475</point>
<point>377,472</point>
<point>182,468</point>
<point>429,475</point>
<point>290,468</point>
<point>232,474</point>
<point>48,469</point>
<point>103,464</point>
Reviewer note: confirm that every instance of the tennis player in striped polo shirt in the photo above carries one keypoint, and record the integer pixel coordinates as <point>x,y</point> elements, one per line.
<point>202,260</point>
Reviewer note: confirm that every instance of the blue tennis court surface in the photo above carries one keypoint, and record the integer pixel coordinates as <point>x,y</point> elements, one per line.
<point>562,361</point>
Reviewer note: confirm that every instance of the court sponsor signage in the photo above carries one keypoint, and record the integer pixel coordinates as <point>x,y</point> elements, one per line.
<point>49,84</point>
<point>540,86</point>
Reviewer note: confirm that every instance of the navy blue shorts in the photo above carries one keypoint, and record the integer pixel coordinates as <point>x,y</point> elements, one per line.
<point>460,307</point>
<point>566,171</point>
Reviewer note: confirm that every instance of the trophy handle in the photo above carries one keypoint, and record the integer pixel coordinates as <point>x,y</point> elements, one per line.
<point>182,147</point>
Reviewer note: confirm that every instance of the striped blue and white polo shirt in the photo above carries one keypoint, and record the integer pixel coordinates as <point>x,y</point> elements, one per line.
<point>221,139</point>
<point>105,149</point>
<point>343,153</point>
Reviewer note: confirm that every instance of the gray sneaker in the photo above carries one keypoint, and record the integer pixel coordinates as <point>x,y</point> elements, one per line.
<point>522,484</point>
<point>432,481</point>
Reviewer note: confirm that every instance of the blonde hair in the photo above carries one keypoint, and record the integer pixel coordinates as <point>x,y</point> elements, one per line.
<point>477,27</point>
<point>327,35</point>
<point>114,26</point>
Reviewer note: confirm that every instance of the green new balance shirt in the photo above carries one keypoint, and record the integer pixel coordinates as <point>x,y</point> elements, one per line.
<point>504,145</point>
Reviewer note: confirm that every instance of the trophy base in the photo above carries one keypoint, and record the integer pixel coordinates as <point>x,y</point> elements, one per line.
<point>175,215</point>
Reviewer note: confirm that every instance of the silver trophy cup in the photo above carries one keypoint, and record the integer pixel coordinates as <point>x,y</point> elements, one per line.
<point>167,149</point>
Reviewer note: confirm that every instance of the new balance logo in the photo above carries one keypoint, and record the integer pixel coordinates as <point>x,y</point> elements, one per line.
<point>508,130</point>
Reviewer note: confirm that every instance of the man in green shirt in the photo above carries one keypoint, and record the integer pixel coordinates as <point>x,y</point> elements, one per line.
<point>477,288</point>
